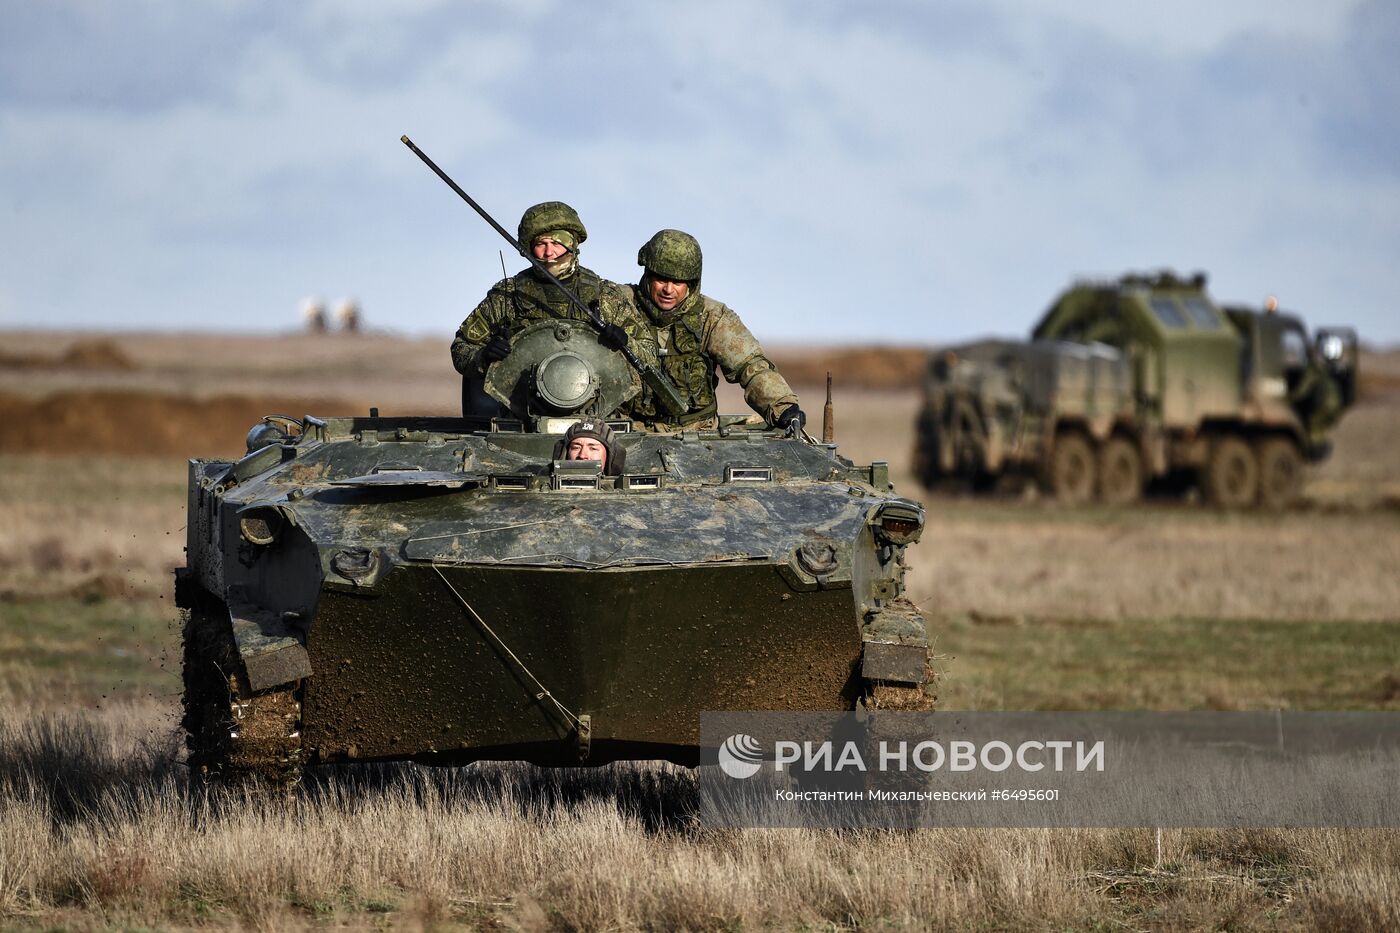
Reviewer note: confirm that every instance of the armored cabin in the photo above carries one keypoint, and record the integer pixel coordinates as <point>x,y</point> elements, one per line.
<point>1182,351</point>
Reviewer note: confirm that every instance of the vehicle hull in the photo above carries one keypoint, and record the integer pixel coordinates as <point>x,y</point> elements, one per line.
<point>408,671</point>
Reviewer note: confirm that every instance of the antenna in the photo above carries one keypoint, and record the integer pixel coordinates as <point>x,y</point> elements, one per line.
<point>828,416</point>
<point>662,387</point>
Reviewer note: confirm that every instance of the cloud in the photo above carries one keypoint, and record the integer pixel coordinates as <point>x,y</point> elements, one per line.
<point>892,171</point>
<point>1189,28</point>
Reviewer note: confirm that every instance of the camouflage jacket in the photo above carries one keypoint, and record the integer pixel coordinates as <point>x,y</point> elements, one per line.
<point>525,298</point>
<point>706,334</point>
<point>1318,402</point>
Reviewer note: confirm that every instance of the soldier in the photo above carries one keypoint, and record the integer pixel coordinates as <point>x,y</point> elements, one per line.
<point>695,334</point>
<point>592,439</point>
<point>347,315</point>
<point>313,315</point>
<point>1316,398</point>
<point>552,232</point>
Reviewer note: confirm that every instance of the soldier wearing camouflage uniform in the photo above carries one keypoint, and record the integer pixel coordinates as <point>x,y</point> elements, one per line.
<point>552,231</point>
<point>1317,399</point>
<point>695,334</point>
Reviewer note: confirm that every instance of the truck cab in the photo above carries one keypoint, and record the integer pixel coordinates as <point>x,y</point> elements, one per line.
<point>1292,380</point>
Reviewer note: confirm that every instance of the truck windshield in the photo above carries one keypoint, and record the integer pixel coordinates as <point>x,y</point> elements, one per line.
<point>1167,312</point>
<point>1202,314</point>
<point>1294,348</point>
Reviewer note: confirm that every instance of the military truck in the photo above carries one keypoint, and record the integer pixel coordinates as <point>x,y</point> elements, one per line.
<point>1136,382</point>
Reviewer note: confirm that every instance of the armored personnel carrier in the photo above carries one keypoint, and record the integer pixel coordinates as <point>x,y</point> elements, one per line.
<point>1140,380</point>
<point>449,589</point>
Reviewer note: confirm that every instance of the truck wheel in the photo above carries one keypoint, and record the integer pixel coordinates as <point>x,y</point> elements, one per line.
<point>1073,469</point>
<point>1120,472</point>
<point>1280,473</point>
<point>1232,474</point>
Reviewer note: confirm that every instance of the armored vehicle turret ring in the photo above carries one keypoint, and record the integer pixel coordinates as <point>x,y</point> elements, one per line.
<point>560,368</point>
<point>565,380</point>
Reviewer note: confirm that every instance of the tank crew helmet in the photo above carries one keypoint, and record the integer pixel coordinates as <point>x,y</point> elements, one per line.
<point>674,255</point>
<point>551,218</point>
<point>597,429</point>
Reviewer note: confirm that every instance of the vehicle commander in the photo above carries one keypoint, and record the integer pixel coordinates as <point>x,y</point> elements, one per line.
<point>592,439</point>
<point>552,231</point>
<point>695,334</point>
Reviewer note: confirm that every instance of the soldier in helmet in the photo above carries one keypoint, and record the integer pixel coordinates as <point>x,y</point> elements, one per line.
<point>695,334</point>
<point>552,232</point>
<point>592,439</point>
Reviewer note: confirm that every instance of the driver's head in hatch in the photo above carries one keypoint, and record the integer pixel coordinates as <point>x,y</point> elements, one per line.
<point>587,447</point>
<point>592,439</point>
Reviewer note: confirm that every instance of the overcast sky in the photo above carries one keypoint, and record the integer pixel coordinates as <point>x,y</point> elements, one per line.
<point>885,171</point>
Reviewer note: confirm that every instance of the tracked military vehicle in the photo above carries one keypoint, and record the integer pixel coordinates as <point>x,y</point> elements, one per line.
<point>1139,381</point>
<point>448,590</point>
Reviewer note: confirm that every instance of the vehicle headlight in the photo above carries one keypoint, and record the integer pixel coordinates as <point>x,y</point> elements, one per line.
<point>261,526</point>
<point>899,523</point>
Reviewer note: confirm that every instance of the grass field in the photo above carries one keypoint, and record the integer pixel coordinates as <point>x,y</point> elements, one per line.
<point>1031,607</point>
<point>99,830</point>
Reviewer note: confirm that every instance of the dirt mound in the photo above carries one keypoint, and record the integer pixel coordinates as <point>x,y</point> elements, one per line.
<point>855,367</point>
<point>143,423</point>
<point>895,367</point>
<point>85,354</point>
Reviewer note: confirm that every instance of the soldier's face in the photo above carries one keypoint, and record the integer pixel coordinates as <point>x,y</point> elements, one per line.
<point>587,448</point>
<point>547,250</point>
<point>666,293</point>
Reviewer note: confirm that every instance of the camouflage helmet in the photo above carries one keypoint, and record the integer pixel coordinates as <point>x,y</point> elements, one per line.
<point>547,216</point>
<point>672,254</point>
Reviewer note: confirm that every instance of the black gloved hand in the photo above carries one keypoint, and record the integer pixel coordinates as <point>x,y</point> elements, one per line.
<point>496,349</point>
<point>790,414</point>
<point>612,337</point>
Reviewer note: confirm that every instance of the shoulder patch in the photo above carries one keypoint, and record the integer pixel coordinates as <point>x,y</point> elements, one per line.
<point>476,329</point>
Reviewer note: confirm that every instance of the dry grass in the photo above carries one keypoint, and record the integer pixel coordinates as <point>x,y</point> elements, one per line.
<point>88,651</point>
<point>1334,559</point>
<point>98,829</point>
<point>1042,562</point>
<point>69,520</point>
<point>1009,662</point>
<point>1159,607</point>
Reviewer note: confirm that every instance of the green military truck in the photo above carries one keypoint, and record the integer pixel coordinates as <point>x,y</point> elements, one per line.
<point>1137,382</point>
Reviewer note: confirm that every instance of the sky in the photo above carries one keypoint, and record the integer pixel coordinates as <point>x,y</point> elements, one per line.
<point>897,171</point>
